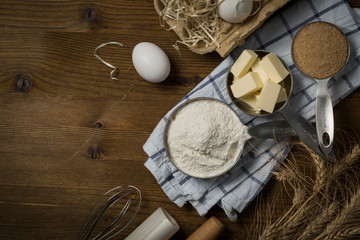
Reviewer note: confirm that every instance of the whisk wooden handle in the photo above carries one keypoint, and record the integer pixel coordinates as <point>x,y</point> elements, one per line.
<point>210,230</point>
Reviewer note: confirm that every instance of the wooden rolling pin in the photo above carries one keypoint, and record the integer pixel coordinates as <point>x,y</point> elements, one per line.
<point>210,230</point>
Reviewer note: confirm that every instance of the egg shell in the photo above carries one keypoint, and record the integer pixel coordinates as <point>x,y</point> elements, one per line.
<point>151,62</point>
<point>235,11</point>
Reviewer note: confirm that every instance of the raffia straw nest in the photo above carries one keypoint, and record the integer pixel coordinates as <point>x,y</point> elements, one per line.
<point>200,28</point>
<point>199,20</point>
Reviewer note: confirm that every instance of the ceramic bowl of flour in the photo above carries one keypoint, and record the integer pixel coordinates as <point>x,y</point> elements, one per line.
<point>204,137</point>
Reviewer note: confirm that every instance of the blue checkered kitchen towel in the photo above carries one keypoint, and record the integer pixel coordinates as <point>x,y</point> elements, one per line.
<point>234,190</point>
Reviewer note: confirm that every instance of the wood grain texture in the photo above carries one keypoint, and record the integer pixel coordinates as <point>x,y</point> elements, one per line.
<point>69,133</point>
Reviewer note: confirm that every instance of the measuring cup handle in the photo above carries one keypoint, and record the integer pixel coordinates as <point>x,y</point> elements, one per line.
<point>324,116</point>
<point>272,130</point>
<point>305,130</point>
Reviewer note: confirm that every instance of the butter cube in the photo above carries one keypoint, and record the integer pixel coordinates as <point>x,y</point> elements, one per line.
<point>268,96</point>
<point>251,99</point>
<point>247,84</point>
<point>257,68</point>
<point>282,95</point>
<point>274,68</point>
<point>243,63</point>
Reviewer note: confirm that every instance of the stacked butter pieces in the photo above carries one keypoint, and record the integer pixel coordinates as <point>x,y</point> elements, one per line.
<point>257,81</point>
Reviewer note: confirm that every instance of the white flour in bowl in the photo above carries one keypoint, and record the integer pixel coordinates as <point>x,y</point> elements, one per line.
<point>205,138</point>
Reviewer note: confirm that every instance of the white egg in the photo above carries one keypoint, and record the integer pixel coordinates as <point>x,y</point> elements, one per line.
<point>151,62</point>
<point>235,11</point>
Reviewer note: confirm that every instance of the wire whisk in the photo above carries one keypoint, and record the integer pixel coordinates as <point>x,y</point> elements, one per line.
<point>124,201</point>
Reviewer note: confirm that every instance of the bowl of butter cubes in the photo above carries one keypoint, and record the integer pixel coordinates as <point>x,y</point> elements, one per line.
<point>259,82</point>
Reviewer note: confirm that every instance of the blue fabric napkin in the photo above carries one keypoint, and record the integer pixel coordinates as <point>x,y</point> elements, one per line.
<point>234,190</point>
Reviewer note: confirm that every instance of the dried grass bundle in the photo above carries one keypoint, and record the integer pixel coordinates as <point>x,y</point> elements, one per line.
<point>326,197</point>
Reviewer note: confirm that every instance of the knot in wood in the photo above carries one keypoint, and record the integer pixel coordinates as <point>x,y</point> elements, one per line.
<point>22,83</point>
<point>196,79</point>
<point>95,153</point>
<point>90,15</point>
<point>99,124</point>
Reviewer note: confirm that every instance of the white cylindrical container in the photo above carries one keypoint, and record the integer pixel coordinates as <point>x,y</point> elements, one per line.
<point>159,226</point>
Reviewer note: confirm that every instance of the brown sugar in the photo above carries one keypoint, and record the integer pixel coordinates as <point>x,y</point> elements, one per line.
<point>320,50</point>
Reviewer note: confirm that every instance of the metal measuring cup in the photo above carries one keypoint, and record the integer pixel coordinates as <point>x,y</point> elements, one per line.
<point>302,127</point>
<point>267,130</point>
<point>323,104</point>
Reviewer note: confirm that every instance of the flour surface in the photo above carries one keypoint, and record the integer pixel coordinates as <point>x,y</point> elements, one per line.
<point>205,137</point>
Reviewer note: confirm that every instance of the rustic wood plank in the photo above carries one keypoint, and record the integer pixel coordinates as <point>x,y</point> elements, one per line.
<point>354,3</point>
<point>74,16</point>
<point>53,60</point>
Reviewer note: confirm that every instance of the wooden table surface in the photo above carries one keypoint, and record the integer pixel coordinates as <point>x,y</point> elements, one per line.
<point>69,133</point>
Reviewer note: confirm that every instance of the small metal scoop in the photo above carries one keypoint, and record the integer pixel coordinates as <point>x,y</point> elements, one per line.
<point>323,105</point>
<point>303,128</point>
